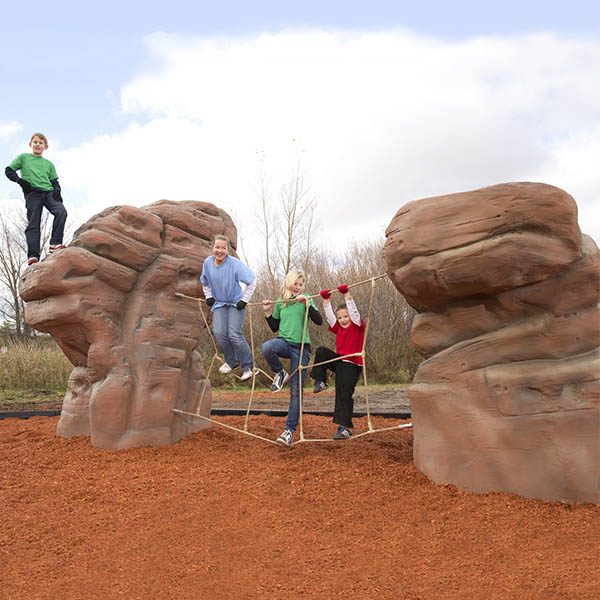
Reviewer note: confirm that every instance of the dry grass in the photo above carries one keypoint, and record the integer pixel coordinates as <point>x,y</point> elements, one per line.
<point>33,365</point>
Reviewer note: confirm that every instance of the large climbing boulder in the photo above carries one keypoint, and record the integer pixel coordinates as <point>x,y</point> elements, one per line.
<point>109,300</point>
<point>507,291</point>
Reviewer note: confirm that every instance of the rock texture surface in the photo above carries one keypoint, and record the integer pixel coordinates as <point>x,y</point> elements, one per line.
<point>507,291</point>
<point>109,300</point>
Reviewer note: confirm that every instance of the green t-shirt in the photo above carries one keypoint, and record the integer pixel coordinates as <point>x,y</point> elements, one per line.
<point>35,170</point>
<point>291,321</point>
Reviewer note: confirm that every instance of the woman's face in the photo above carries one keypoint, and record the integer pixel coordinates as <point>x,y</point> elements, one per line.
<point>298,285</point>
<point>220,250</point>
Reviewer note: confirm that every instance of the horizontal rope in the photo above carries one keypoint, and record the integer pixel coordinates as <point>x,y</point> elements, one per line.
<point>313,296</point>
<point>302,440</point>
<point>299,369</point>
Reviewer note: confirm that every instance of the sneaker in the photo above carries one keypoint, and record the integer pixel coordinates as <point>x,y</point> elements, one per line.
<point>342,433</point>
<point>55,247</point>
<point>225,369</point>
<point>286,437</point>
<point>32,261</point>
<point>279,381</point>
<point>247,374</point>
<point>319,387</point>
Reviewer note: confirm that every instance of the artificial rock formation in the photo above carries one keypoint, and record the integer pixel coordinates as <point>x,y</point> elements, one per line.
<point>507,291</point>
<point>109,301</point>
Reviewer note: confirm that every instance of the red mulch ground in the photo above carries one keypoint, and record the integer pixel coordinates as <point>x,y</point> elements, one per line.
<point>222,515</point>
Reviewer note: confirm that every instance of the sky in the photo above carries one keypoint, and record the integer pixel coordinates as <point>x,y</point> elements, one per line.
<point>379,102</point>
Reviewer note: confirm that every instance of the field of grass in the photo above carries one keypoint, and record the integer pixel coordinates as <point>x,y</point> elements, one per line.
<point>36,373</point>
<point>33,365</point>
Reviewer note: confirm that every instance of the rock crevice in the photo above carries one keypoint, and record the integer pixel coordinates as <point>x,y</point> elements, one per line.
<point>110,301</point>
<point>507,290</point>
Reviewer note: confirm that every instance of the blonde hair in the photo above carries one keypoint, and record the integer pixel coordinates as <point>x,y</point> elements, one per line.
<point>39,135</point>
<point>288,282</point>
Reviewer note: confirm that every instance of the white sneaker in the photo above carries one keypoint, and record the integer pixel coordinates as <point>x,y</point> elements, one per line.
<point>286,437</point>
<point>247,374</point>
<point>225,369</point>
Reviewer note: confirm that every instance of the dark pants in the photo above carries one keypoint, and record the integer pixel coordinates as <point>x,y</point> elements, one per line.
<point>346,376</point>
<point>35,201</point>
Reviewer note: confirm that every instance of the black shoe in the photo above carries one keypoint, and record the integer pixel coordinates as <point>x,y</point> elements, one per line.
<point>319,387</point>
<point>279,380</point>
<point>342,433</point>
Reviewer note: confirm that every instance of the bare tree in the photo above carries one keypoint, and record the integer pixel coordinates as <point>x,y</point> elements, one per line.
<point>13,262</point>
<point>265,219</point>
<point>288,226</point>
<point>288,229</point>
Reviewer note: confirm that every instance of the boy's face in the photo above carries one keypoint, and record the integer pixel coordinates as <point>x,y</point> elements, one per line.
<point>220,250</point>
<point>343,318</point>
<point>37,145</point>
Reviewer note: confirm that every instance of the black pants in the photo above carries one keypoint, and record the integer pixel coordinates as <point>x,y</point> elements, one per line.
<point>346,376</point>
<point>35,201</point>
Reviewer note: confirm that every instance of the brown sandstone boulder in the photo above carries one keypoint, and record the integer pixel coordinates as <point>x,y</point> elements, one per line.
<point>109,301</point>
<point>507,289</point>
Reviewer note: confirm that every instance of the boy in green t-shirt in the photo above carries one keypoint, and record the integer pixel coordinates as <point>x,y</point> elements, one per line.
<point>40,186</point>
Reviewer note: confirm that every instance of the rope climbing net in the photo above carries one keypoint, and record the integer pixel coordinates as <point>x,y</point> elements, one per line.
<point>258,371</point>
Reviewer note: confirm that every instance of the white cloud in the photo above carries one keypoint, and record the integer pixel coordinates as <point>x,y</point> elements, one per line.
<point>572,164</point>
<point>379,119</point>
<point>9,128</point>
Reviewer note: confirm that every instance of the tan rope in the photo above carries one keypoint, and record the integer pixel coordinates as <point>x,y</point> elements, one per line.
<point>370,424</point>
<point>354,436</point>
<point>335,291</point>
<point>253,371</point>
<point>298,370</point>
<point>197,416</point>
<point>270,441</point>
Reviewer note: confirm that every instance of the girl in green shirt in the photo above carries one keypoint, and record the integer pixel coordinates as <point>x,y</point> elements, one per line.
<point>286,318</point>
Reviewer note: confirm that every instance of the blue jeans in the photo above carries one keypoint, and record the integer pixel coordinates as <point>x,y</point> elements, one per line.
<point>34,202</point>
<point>278,348</point>
<point>227,323</point>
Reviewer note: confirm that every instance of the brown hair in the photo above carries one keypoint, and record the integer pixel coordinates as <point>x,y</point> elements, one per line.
<point>39,135</point>
<point>220,236</point>
<point>341,306</point>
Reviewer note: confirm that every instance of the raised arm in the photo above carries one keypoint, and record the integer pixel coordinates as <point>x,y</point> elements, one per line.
<point>350,304</point>
<point>352,309</point>
<point>329,314</point>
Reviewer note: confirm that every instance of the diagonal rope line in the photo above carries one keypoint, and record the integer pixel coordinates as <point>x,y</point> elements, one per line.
<point>300,368</point>
<point>226,425</point>
<point>367,321</point>
<point>298,371</point>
